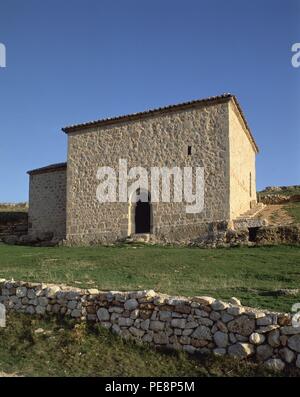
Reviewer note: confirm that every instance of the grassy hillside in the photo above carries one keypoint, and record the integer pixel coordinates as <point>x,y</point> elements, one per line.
<point>251,274</point>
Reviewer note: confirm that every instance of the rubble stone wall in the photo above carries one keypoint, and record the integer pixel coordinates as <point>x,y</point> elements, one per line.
<point>47,205</point>
<point>198,324</point>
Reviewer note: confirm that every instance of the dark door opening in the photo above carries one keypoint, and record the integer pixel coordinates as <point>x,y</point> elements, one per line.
<point>253,233</point>
<point>142,217</point>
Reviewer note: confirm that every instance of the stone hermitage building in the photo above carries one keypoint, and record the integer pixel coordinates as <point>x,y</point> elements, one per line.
<point>211,133</point>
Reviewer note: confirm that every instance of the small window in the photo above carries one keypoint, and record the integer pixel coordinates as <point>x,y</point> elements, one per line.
<point>189,150</point>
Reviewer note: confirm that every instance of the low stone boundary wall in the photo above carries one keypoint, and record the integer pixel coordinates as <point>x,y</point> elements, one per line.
<point>271,199</point>
<point>198,324</point>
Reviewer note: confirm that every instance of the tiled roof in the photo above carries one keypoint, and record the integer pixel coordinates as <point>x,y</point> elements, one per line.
<point>48,168</point>
<point>181,106</point>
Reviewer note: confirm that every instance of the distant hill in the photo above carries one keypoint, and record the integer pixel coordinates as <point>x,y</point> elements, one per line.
<point>282,190</point>
<point>13,207</point>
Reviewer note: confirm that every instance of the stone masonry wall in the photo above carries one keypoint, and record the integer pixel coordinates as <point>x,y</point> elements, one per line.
<point>160,141</point>
<point>242,166</point>
<point>47,205</point>
<point>197,324</point>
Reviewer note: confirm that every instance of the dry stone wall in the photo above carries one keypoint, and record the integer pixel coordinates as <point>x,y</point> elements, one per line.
<point>198,324</point>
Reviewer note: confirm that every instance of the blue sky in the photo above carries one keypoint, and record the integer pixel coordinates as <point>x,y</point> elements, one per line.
<point>75,61</point>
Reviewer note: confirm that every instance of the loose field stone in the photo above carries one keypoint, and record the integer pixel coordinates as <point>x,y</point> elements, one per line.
<point>263,352</point>
<point>187,332</point>
<point>257,339</point>
<point>275,364</point>
<point>202,332</point>
<point>201,313</point>
<point>103,314</point>
<point>165,315</point>
<point>219,305</point>
<point>219,351</point>
<point>145,324</point>
<point>178,323</point>
<point>267,320</point>
<point>125,321</point>
<point>226,317</point>
<point>205,321</point>
<point>235,301</point>
<point>294,343</point>
<point>131,304</point>
<point>31,294</point>
<point>157,325</point>
<point>290,330</point>
<point>215,316</point>
<point>191,324</point>
<point>287,355</point>
<point>273,338</point>
<point>221,339</point>
<point>241,350</point>
<point>203,300</point>
<point>235,310</point>
<point>242,325</point>
<point>298,361</point>
<point>21,292</point>
<point>116,309</point>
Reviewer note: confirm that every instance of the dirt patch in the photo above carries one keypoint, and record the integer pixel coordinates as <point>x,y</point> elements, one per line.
<point>276,215</point>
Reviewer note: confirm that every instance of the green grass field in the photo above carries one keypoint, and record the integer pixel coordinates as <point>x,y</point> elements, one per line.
<point>251,274</point>
<point>69,349</point>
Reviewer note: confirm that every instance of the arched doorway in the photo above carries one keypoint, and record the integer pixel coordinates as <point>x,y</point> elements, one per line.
<point>142,217</point>
<point>140,213</point>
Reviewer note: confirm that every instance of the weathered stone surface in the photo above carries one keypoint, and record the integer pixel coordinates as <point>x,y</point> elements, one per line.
<point>241,350</point>
<point>275,364</point>
<point>221,339</point>
<point>157,325</point>
<point>242,325</point>
<point>103,314</point>
<point>290,330</point>
<point>287,355</point>
<point>263,352</point>
<point>294,343</point>
<point>273,338</point>
<point>203,300</point>
<point>266,320</point>
<point>178,323</point>
<point>202,332</point>
<point>131,304</point>
<point>257,339</point>
<point>235,310</point>
<point>125,321</point>
<point>219,305</point>
<point>235,301</point>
